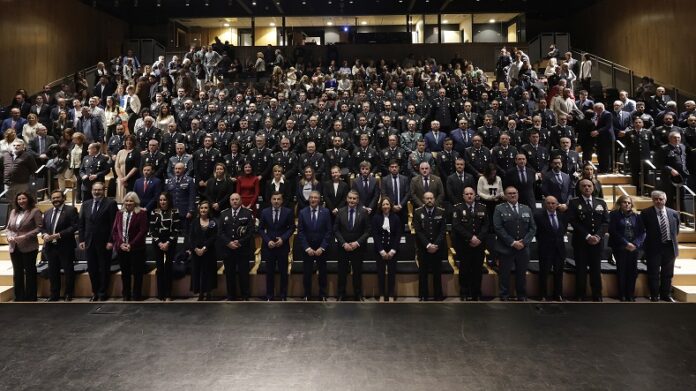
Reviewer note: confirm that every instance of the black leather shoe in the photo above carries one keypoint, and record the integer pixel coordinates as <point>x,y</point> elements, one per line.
<point>103,298</point>
<point>68,297</point>
<point>94,298</point>
<point>201,297</point>
<point>522,298</point>
<point>305,298</point>
<point>597,299</point>
<point>422,299</point>
<point>324,298</point>
<point>360,298</point>
<point>668,299</point>
<point>654,299</point>
<point>52,298</point>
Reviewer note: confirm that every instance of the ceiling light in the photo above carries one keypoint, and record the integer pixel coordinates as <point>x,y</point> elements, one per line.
<point>491,20</point>
<point>329,23</point>
<point>272,24</point>
<point>363,23</point>
<point>445,21</point>
<point>253,3</point>
<point>345,29</point>
<point>226,24</point>
<point>188,3</point>
<point>159,3</point>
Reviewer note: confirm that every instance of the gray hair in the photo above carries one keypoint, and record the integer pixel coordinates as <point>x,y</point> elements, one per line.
<point>133,196</point>
<point>658,194</point>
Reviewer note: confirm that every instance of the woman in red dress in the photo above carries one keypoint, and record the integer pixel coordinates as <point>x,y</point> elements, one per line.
<point>248,188</point>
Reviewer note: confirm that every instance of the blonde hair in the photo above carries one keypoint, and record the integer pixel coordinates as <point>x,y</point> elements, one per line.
<point>622,198</point>
<point>133,196</point>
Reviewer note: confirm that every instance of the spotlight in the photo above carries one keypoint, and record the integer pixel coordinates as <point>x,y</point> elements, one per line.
<point>363,23</point>
<point>345,29</point>
<point>329,23</point>
<point>253,3</point>
<point>207,3</point>
<point>272,24</point>
<point>159,3</point>
<point>491,21</point>
<point>445,21</point>
<point>226,24</point>
<point>188,3</point>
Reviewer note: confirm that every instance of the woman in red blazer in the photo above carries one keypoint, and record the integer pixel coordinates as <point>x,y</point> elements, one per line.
<point>22,228</point>
<point>248,188</point>
<point>128,238</point>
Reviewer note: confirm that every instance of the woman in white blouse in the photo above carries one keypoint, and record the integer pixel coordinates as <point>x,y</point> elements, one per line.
<point>344,83</point>
<point>8,138</point>
<point>165,117</point>
<point>280,185</point>
<point>551,67</point>
<point>490,188</point>
<point>29,129</point>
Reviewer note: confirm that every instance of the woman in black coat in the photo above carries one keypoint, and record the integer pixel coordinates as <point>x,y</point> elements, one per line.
<point>280,184</point>
<point>202,249</point>
<point>218,190</point>
<point>386,233</point>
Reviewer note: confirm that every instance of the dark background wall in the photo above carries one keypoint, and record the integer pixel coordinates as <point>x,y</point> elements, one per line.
<point>44,40</point>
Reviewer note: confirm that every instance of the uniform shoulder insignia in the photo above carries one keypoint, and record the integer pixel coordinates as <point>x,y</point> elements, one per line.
<point>457,204</point>
<point>441,209</point>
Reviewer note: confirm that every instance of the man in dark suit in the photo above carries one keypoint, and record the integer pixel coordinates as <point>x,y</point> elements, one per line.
<point>93,169</point>
<point>589,218</point>
<point>557,183</point>
<point>551,229</point>
<point>397,187</point>
<point>435,139</point>
<point>42,111</point>
<point>314,233</point>
<point>148,189</point>
<point>515,227</point>
<point>470,226</point>
<point>96,220</point>
<point>40,144</point>
<point>335,192</point>
<point>603,133</point>
<point>237,246</point>
<point>58,232</point>
<point>423,183</point>
<point>429,224</point>
<point>673,160</point>
<point>276,225</point>
<point>16,122</point>
<point>183,191</point>
<point>442,110</point>
<point>462,136</point>
<point>366,187</point>
<point>18,167</point>
<point>351,228</point>
<point>522,178</point>
<point>103,89</point>
<point>91,126</point>
<point>458,181</point>
<point>660,245</point>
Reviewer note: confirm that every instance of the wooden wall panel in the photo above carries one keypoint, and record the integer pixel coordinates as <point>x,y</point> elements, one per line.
<point>47,40</point>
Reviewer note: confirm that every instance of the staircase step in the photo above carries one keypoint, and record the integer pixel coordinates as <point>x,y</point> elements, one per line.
<point>607,190</point>
<point>6,293</point>
<point>685,293</point>
<point>614,179</point>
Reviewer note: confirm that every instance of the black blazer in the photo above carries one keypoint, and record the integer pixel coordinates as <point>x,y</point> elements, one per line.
<point>653,237</point>
<point>358,233</point>
<point>269,230</point>
<point>387,189</point>
<point>241,229</point>
<point>384,240</point>
<point>95,228</point>
<point>455,187</point>
<point>586,221</point>
<point>335,200</point>
<point>549,239</point>
<point>369,196</point>
<point>526,190</point>
<point>67,225</point>
<point>284,188</point>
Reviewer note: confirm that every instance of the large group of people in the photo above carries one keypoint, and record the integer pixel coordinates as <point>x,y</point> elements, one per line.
<point>328,155</point>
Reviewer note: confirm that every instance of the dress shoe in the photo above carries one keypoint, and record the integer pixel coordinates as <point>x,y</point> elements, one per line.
<point>94,298</point>
<point>52,298</point>
<point>324,298</point>
<point>440,298</point>
<point>68,297</point>
<point>305,298</point>
<point>668,299</point>
<point>103,298</point>
<point>208,296</point>
<point>654,299</point>
<point>340,298</point>
<point>201,297</point>
<point>422,299</point>
<point>168,299</point>
<point>127,298</point>
<point>360,298</point>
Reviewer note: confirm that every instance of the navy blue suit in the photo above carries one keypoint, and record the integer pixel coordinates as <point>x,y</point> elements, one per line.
<point>551,187</point>
<point>149,197</point>
<point>314,235</point>
<point>270,230</point>
<point>625,229</point>
<point>604,124</point>
<point>462,139</point>
<point>551,249</point>
<point>368,196</point>
<point>431,145</point>
<point>7,124</point>
<point>660,255</point>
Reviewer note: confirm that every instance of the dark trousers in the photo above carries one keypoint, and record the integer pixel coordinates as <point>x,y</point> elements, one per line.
<point>520,259</point>
<point>24,274</point>
<point>347,261</point>
<point>99,268</point>
<point>132,265</point>
<point>60,259</point>
<point>626,272</point>
<point>281,260</point>
<point>661,270</point>
<point>587,144</point>
<point>78,185</point>
<point>237,267</point>
<point>164,260</point>
<point>386,276</point>
<point>585,83</point>
<point>470,263</point>
<point>604,159</point>
<point>203,272</point>
<point>553,259</point>
<point>586,255</point>
<point>430,263</point>
<point>308,270</point>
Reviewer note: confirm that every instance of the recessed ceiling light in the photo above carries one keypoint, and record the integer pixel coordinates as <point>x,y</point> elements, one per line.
<point>226,24</point>
<point>445,21</point>
<point>329,23</point>
<point>363,23</point>
<point>272,24</point>
<point>253,3</point>
<point>491,20</point>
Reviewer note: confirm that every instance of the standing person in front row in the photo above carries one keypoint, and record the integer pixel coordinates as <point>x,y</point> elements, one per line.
<point>314,234</point>
<point>626,236</point>
<point>552,227</point>
<point>589,217</point>
<point>429,223</point>
<point>515,227</point>
<point>661,247</point>
<point>165,226</point>
<point>470,227</point>
<point>96,220</point>
<point>351,228</point>
<point>236,246</point>
<point>202,237</point>
<point>22,227</point>
<point>276,225</point>
<point>128,238</point>
<point>58,232</point>
<point>183,191</point>
<point>386,233</point>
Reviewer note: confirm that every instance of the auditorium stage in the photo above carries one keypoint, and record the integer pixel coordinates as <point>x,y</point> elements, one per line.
<point>347,346</point>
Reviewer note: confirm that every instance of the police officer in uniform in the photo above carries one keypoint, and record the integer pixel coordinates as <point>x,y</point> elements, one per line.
<point>288,160</point>
<point>477,157</point>
<point>503,154</point>
<point>470,226</point>
<point>204,160</point>
<point>245,137</point>
<point>169,140</point>
<point>339,157</point>
<point>237,246</point>
<point>639,142</point>
<point>589,218</point>
<point>365,153</point>
<point>570,159</point>
<point>183,191</point>
<point>515,228</point>
<point>194,137</point>
<point>234,162</point>
<point>93,169</point>
<point>429,224</point>
<point>155,158</point>
<point>222,138</point>
<point>260,159</point>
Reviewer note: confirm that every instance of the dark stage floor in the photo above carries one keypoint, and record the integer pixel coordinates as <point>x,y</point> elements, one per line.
<point>347,346</point>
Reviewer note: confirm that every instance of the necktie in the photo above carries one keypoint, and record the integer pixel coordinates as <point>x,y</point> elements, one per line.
<point>554,222</point>
<point>514,207</point>
<point>461,177</point>
<point>427,185</point>
<point>234,213</point>
<point>95,207</point>
<point>41,145</point>
<point>471,209</point>
<point>125,229</point>
<point>53,220</point>
<point>663,226</point>
<point>365,183</point>
<point>589,202</point>
<point>351,218</point>
<point>523,176</point>
<point>314,217</point>
<point>559,178</point>
<point>275,216</point>
<point>396,189</point>
<point>145,185</point>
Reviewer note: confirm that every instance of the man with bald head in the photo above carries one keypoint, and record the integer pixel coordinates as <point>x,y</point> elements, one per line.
<point>551,229</point>
<point>429,224</point>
